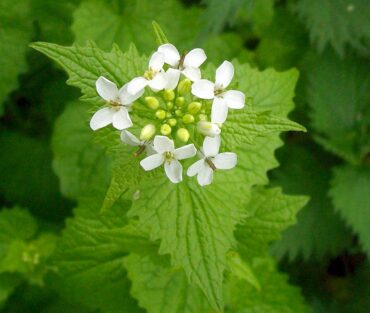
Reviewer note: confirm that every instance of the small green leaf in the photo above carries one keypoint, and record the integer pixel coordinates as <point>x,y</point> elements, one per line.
<point>159,34</point>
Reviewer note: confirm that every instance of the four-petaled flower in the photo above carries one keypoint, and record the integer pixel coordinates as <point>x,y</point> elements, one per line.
<point>222,99</point>
<point>119,102</point>
<point>154,77</point>
<point>211,161</point>
<point>167,154</point>
<point>188,64</point>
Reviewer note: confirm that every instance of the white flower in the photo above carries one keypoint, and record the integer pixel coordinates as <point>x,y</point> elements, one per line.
<point>212,160</point>
<point>167,154</point>
<point>222,99</point>
<point>119,102</point>
<point>189,65</point>
<point>154,77</point>
<point>131,140</point>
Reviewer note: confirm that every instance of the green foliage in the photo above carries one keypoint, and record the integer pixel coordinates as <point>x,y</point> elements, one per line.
<point>16,32</point>
<point>113,21</point>
<point>338,23</point>
<point>351,198</point>
<point>270,212</point>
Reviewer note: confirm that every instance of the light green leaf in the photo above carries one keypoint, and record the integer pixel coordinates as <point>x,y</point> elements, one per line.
<point>330,236</point>
<point>107,22</point>
<point>79,163</point>
<point>91,252</point>
<point>270,213</point>
<point>351,198</point>
<point>338,95</point>
<point>162,289</point>
<point>337,22</point>
<point>16,32</point>
<point>275,296</point>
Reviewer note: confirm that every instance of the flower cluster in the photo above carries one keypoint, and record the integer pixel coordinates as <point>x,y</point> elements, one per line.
<point>186,111</point>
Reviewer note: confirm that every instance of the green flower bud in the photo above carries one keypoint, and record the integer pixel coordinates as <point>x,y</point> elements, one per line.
<point>188,118</point>
<point>169,105</point>
<point>172,122</point>
<point>147,132</point>
<point>152,102</point>
<point>208,129</point>
<point>180,101</point>
<point>179,113</point>
<point>194,107</point>
<point>168,95</point>
<point>202,117</point>
<point>183,134</point>
<point>161,114</point>
<point>166,129</point>
<point>184,87</point>
<point>168,114</point>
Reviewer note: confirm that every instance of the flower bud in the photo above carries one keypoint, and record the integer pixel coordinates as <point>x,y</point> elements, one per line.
<point>152,102</point>
<point>202,117</point>
<point>168,114</point>
<point>183,134</point>
<point>208,128</point>
<point>169,105</point>
<point>179,113</point>
<point>188,118</point>
<point>172,122</point>
<point>161,114</point>
<point>147,132</point>
<point>194,107</point>
<point>180,101</point>
<point>184,87</point>
<point>166,129</point>
<point>168,95</point>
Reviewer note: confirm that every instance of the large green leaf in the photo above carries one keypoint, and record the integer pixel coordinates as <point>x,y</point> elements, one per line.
<point>338,95</point>
<point>270,212</point>
<point>337,22</point>
<point>111,21</point>
<point>330,236</point>
<point>351,198</point>
<point>15,34</point>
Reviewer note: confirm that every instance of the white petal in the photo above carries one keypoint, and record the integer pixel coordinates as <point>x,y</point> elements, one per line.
<point>171,54</point>
<point>203,89</point>
<point>185,152</point>
<point>173,171</point>
<point>136,85</point>
<point>234,99</point>
<point>224,74</point>
<point>156,61</point>
<point>211,146</point>
<point>208,128</point>
<point>106,89</point>
<point>159,82</point>
<point>205,176</point>
<point>101,118</point>
<point>196,167</point>
<point>219,110</point>
<point>128,98</point>
<point>150,150</point>
<point>225,160</point>
<point>121,119</point>
<point>129,138</point>
<point>193,73</point>
<point>195,58</point>
<point>152,161</point>
<point>172,77</point>
<point>163,144</point>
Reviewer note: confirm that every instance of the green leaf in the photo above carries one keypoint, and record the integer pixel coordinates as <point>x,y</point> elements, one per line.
<point>80,164</point>
<point>330,236</point>
<point>270,213</point>
<point>91,252</point>
<point>8,282</point>
<point>338,23</point>
<point>337,94</point>
<point>107,22</point>
<point>16,32</point>
<point>27,177</point>
<point>351,198</point>
<point>275,296</point>
<point>162,289</point>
